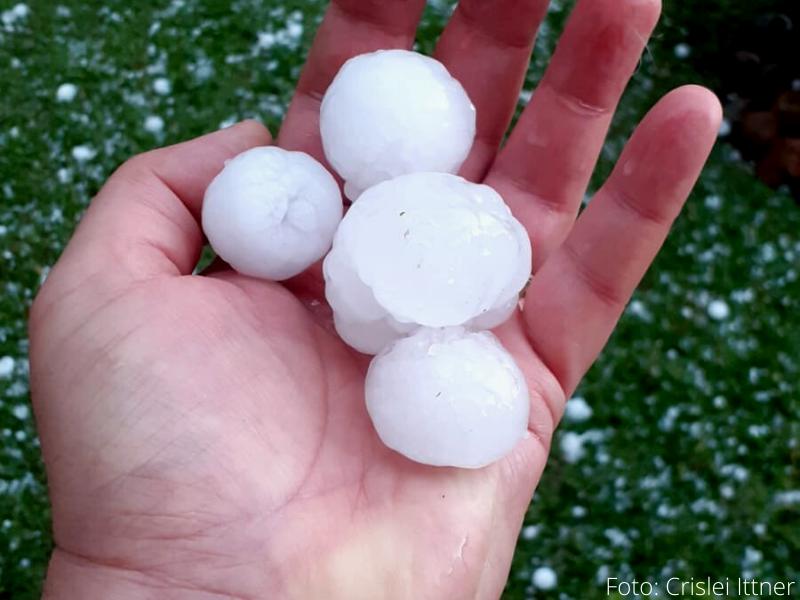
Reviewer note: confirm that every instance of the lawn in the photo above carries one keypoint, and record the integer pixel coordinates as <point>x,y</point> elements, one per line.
<point>680,454</point>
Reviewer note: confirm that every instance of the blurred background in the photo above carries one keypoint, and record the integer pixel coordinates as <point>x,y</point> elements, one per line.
<point>680,453</point>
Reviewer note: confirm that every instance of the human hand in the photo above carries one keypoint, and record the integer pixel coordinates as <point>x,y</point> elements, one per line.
<point>206,436</point>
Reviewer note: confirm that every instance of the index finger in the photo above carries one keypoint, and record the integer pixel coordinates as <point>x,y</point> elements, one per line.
<point>144,222</point>
<point>350,27</point>
<point>487,47</point>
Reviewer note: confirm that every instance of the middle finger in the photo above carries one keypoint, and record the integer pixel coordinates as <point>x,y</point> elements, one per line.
<point>545,167</point>
<point>487,47</point>
<point>350,27</point>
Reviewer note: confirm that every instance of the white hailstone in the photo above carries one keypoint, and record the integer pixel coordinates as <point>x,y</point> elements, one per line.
<point>713,202</point>
<point>683,50</point>
<point>66,92</point>
<point>426,249</point>
<point>271,213</point>
<point>21,411</point>
<point>64,175</point>
<point>718,310</point>
<point>577,410</point>
<point>572,446</point>
<point>83,153</point>
<point>448,397</point>
<point>14,14</point>
<point>6,366</point>
<point>394,112</point>
<point>162,86</point>
<point>229,122</point>
<point>725,128</point>
<point>154,124</point>
<point>544,578</point>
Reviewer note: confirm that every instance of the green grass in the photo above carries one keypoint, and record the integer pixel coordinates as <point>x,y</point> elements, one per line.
<point>686,462</point>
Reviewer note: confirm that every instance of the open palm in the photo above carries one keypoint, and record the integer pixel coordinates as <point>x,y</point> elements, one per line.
<point>206,436</point>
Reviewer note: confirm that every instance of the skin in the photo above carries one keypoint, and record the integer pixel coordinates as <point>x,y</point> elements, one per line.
<point>205,436</point>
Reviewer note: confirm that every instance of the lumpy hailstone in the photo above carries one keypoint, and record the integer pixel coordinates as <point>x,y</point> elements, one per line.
<point>394,112</point>
<point>448,397</point>
<point>427,249</point>
<point>271,213</point>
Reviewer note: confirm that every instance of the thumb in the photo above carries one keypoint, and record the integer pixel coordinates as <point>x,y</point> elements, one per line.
<point>145,221</point>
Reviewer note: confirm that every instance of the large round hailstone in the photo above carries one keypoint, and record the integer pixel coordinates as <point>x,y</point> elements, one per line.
<point>448,397</point>
<point>393,112</point>
<point>426,249</point>
<point>271,213</point>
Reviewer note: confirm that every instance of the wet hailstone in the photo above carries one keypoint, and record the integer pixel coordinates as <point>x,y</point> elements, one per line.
<point>162,86</point>
<point>718,310</point>
<point>6,366</point>
<point>427,249</point>
<point>394,112</point>
<point>577,410</point>
<point>271,213</point>
<point>544,578</point>
<point>66,92</point>
<point>683,50</point>
<point>83,153</point>
<point>448,397</point>
<point>154,124</point>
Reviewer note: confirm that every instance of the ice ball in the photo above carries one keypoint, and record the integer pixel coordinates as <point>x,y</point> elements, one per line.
<point>393,112</point>
<point>426,249</point>
<point>272,213</point>
<point>448,397</point>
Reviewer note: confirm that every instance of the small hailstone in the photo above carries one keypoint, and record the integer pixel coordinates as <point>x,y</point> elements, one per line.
<point>66,92</point>
<point>162,86</point>
<point>572,446</point>
<point>639,309</point>
<point>266,39</point>
<point>713,202</point>
<point>14,14</point>
<point>577,410</point>
<point>229,122</point>
<point>426,249</point>
<point>6,366</point>
<point>544,578</point>
<point>21,411</point>
<point>724,128</point>
<point>683,50</point>
<point>448,397</point>
<point>393,112</point>
<point>271,213</point>
<point>83,153</point>
<point>154,124</point>
<point>718,310</point>
<point>294,29</point>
